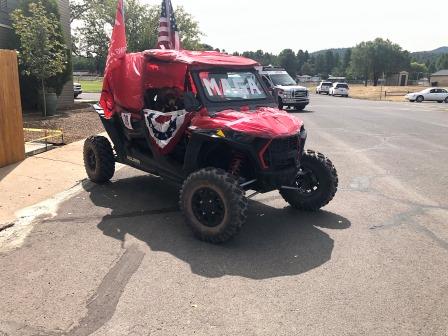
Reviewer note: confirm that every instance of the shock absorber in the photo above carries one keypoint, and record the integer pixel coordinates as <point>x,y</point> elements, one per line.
<point>236,163</point>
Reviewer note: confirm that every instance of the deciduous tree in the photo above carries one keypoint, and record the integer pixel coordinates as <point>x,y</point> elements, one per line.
<point>42,52</point>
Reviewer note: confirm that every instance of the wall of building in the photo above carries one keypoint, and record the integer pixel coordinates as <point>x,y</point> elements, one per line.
<point>440,80</point>
<point>6,34</point>
<point>6,39</point>
<point>66,99</point>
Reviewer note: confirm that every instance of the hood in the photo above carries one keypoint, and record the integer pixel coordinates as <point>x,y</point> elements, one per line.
<point>265,122</point>
<point>292,87</point>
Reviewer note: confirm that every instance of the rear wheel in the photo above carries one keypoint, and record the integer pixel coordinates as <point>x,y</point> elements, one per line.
<point>99,160</point>
<point>213,205</point>
<point>316,183</point>
<point>419,99</point>
<point>446,100</point>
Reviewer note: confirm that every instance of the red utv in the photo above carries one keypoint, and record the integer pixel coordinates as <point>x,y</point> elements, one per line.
<point>206,121</point>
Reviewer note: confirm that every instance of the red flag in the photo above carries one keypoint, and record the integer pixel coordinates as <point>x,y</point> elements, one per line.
<point>117,51</point>
<point>168,31</point>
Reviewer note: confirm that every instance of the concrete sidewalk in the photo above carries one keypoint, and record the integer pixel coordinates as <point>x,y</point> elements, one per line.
<point>37,178</point>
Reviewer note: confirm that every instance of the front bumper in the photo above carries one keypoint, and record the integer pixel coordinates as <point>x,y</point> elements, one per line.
<point>298,101</point>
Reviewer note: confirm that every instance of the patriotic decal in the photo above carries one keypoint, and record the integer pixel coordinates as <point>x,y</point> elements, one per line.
<point>168,31</point>
<point>166,128</point>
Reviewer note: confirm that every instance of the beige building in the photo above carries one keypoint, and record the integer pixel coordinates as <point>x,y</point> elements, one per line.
<point>6,39</point>
<point>440,78</point>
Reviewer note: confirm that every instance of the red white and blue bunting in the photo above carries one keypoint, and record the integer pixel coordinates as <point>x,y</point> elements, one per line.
<point>166,128</point>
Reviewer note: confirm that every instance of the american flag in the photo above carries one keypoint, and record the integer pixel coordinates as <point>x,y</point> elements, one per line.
<point>168,30</point>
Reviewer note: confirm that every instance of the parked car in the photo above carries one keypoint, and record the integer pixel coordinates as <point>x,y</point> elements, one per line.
<point>324,87</point>
<point>339,89</point>
<point>431,94</point>
<point>285,90</point>
<point>77,89</point>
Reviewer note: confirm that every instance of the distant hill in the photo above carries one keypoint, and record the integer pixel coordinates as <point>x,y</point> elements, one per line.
<point>431,55</point>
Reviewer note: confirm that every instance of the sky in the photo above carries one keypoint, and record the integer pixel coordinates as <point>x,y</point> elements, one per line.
<point>272,25</point>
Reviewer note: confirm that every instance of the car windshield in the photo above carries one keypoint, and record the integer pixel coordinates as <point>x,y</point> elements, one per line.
<point>282,79</point>
<point>231,86</point>
<point>342,86</point>
<point>327,84</point>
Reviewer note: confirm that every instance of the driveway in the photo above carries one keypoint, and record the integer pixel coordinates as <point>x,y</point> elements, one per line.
<point>117,259</point>
<point>88,97</point>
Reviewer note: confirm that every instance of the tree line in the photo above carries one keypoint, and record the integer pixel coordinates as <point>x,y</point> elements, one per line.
<point>366,61</point>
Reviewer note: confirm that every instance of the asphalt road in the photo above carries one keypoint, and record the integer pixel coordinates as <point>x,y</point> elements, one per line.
<point>118,260</point>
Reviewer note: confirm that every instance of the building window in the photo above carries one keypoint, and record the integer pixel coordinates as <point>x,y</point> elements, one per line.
<point>4,5</point>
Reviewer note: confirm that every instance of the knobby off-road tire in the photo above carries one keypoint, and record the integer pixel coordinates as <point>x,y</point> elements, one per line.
<point>315,190</point>
<point>213,205</point>
<point>99,160</point>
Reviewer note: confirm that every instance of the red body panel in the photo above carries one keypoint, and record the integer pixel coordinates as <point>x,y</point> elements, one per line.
<point>265,122</point>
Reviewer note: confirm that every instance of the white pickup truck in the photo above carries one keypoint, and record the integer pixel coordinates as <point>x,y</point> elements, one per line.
<point>284,89</point>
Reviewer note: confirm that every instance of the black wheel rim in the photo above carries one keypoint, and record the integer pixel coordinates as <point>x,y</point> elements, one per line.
<point>91,159</point>
<point>208,207</point>
<point>307,183</point>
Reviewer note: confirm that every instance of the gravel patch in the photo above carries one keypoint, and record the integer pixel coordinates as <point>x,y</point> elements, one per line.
<point>76,124</point>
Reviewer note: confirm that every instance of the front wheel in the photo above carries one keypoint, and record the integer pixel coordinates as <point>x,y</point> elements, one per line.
<point>299,107</point>
<point>446,100</point>
<point>420,99</point>
<point>213,205</point>
<point>280,104</point>
<point>316,183</point>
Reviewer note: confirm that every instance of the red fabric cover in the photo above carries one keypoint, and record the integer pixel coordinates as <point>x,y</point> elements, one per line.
<point>265,122</point>
<point>199,58</point>
<point>126,81</point>
<point>163,75</point>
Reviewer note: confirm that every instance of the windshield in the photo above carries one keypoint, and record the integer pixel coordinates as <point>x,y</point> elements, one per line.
<point>342,86</point>
<point>327,84</point>
<point>231,86</point>
<point>282,79</point>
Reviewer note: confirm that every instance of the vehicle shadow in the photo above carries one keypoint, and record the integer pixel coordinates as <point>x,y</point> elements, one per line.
<point>299,111</point>
<point>273,243</point>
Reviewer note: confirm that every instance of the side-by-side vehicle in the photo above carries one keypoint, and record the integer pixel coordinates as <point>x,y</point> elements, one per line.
<point>207,122</point>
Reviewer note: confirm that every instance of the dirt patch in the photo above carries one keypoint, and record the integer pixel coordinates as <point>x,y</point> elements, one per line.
<point>75,124</point>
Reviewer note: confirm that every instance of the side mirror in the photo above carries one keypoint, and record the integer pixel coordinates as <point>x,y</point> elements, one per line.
<point>192,104</point>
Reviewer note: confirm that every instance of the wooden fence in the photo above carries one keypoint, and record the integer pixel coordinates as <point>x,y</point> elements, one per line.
<point>12,147</point>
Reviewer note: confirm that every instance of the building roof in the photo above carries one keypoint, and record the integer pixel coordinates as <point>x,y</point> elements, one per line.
<point>441,73</point>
